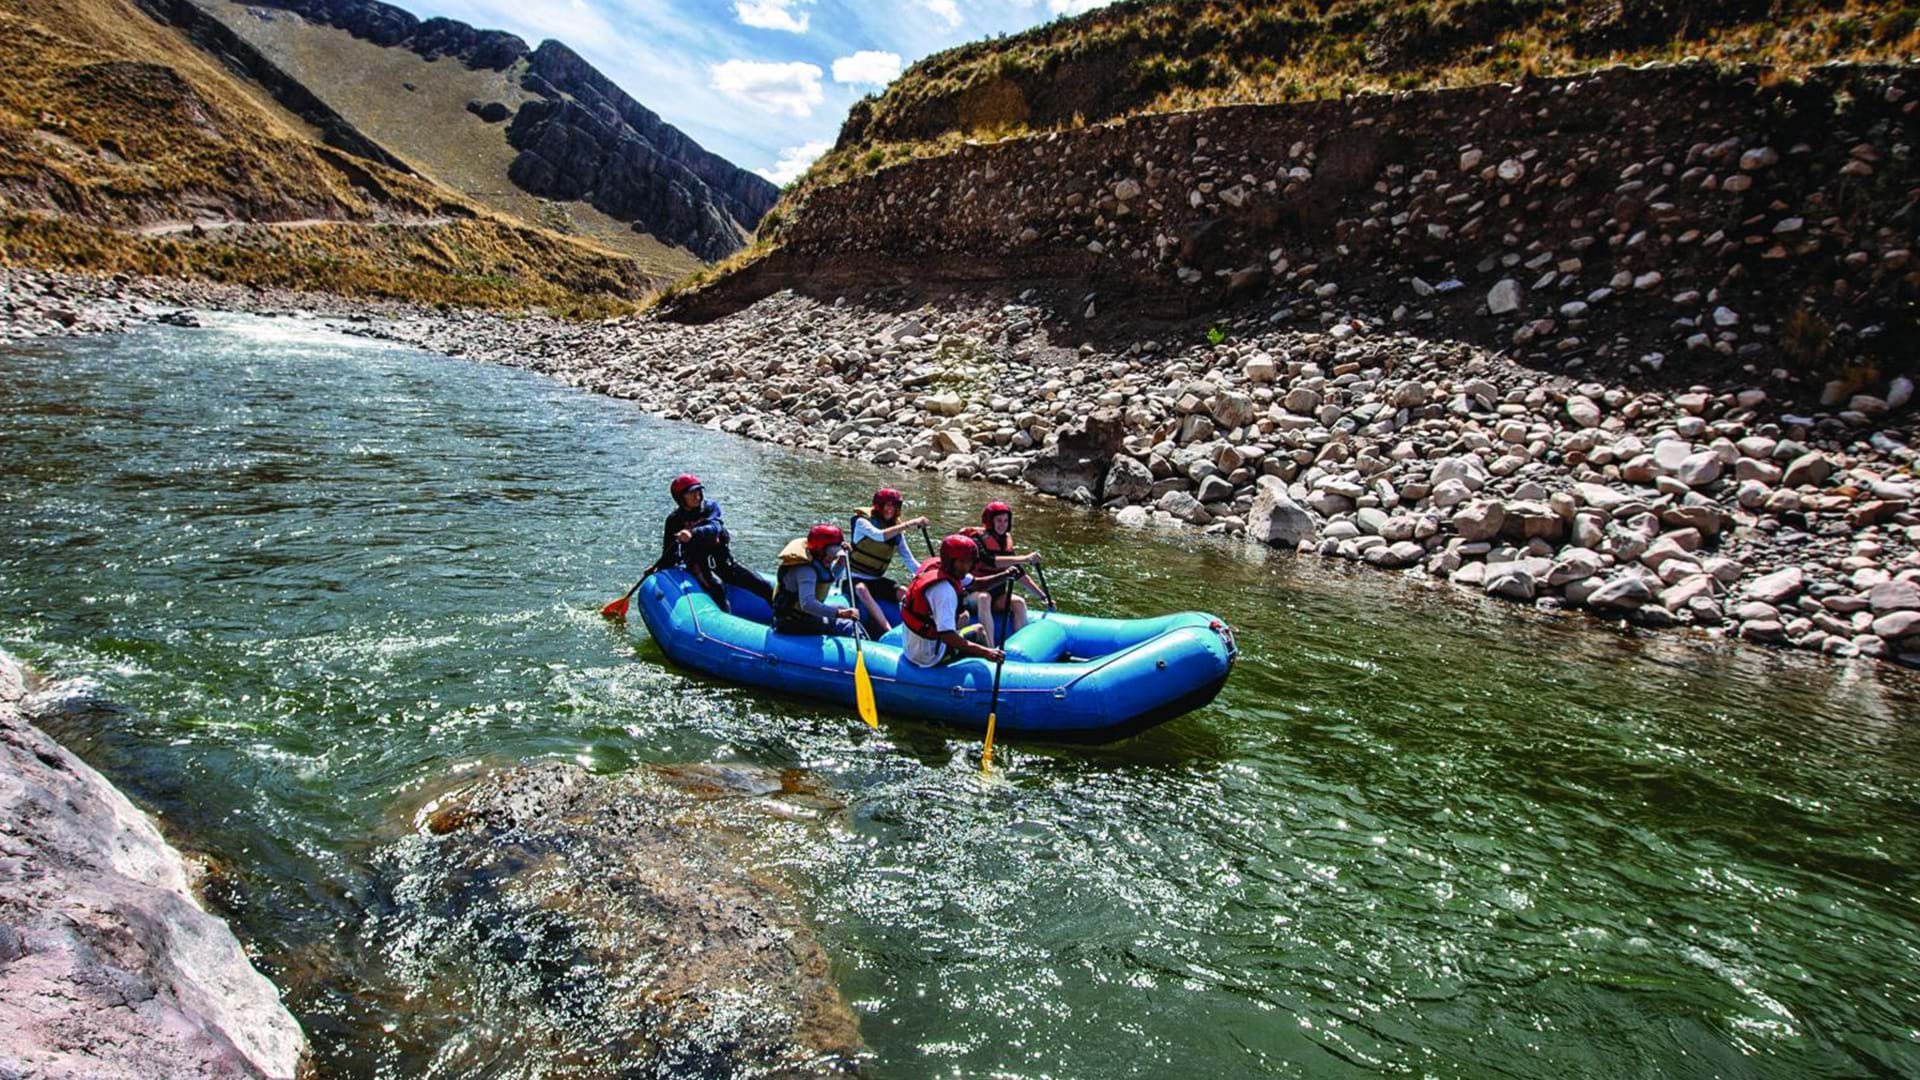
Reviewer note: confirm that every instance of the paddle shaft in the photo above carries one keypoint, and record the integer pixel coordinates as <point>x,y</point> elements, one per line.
<point>928,540</point>
<point>1044,587</point>
<point>993,710</point>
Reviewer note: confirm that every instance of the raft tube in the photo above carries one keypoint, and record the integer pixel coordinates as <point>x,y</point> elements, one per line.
<point>1067,678</point>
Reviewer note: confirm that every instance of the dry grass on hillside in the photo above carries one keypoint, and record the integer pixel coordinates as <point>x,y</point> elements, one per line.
<point>110,121</point>
<point>1148,56</point>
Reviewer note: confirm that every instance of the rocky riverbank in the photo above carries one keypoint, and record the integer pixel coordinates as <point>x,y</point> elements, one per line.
<point>1767,509</point>
<point>108,966</point>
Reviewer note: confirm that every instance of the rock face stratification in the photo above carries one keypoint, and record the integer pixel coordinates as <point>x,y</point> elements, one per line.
<point>577,137</point>
<point>108,967</point>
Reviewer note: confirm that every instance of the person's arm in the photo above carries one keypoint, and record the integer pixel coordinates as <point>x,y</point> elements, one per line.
<point>892,531</point>
<point>964,647</point>
<point>669,545</point>
<point>807,581</point>
<point>906,554</point>
<point>712,529</point>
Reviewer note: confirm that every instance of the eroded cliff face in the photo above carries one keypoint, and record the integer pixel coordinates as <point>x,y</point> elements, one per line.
<point>108,966</point>
<point>1678,216</point>
<point>576,137</point>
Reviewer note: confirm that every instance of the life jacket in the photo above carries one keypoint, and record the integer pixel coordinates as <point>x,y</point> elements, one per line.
<point>870,557</point>
<point>990,545</point>
<point>785,600</point>
<point>916,611</point>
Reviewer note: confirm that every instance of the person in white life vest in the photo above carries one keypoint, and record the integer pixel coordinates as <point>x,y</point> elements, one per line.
<point>992,596</point>
<point>809,572</point>
<point>932,610</point>
<point>879,535</point>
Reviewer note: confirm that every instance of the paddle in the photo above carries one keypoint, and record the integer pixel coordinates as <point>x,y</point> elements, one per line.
<point>618,609</point>
<point>993,708</point>
<point>927,540</point>
<point>862,682</point>
<point>1044,587</point>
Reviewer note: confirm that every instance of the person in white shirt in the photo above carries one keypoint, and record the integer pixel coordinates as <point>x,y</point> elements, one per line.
<point>932,609</point>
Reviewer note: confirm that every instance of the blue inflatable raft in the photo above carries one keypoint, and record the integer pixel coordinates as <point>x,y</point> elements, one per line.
<point>1067,678</point>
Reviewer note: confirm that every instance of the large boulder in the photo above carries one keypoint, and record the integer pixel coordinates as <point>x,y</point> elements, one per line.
<point>1127,479</point>
<point>1277,520</point>
<point>1081,456</point>
<point>630,919</point>
<point>109,968</point>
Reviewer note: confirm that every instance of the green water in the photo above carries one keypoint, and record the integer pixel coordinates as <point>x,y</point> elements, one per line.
<point>1417,834</point>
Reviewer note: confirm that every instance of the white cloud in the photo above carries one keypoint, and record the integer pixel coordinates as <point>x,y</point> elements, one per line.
<point>1075,7</point>
<point>791,88</point>
<point>867,66</point>
<point>794,161</point>
<point>773,14</point>
<point>949,10</point>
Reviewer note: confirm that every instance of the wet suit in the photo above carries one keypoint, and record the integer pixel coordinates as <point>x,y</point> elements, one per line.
<point>708,556</point>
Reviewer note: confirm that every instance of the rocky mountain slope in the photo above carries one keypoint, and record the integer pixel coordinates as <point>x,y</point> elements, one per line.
<point>538,134</point>
<point>127,145</point>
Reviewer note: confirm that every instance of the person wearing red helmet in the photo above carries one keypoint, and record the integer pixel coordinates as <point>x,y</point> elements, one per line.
<point>809,571</point>
<point>1001,567</point>
<point>696,538</point>
<point>879,535</point>
<point>933,612</point>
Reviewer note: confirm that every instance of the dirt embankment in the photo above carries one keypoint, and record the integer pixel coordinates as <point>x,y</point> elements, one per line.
<point>1628,219</point>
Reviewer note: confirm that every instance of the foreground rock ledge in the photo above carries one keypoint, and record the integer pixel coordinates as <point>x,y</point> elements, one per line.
<point>108,967</point>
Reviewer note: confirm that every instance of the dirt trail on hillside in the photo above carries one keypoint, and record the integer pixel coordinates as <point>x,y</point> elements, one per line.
<point>171,228</point>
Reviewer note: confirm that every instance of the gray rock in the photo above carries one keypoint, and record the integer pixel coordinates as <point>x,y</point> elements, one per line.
<point>1777,587</point>
<point>1897,625</point>
<point>1510,581</point>
<point>1480,520</point>
<point>117,972</point>
<point>1811,469</point>
<point>1504,298</point>
<point>1621,593</point>
<point>1185,507</point>
<point>1894,596</point>
<point>1127,478</point>
<point>1276,519</point>
<point>1701,469</point>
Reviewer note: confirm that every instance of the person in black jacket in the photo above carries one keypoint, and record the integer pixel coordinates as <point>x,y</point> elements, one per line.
<point>696,538</point>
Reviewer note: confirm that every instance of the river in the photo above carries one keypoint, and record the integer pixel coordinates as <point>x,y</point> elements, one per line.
<point>320,576</point>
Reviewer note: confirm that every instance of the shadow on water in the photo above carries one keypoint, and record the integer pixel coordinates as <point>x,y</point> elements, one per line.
<point>1417,833</point>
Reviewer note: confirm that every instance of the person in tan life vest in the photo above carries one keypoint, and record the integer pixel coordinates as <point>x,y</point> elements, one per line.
<point>810,568</point>
<point>878,536</point>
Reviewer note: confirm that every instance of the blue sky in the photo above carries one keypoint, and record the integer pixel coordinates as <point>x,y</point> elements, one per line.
<point>764,83</point>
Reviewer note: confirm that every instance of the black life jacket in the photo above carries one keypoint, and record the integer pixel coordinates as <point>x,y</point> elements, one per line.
<point>870,557</point>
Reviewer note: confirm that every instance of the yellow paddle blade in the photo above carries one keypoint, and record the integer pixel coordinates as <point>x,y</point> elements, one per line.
<point>863,692</point>
<point>986,756</point>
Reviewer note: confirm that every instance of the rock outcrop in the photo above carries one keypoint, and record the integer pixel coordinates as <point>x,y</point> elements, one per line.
<point>1738,222</point>
<point>620,919</point>
<point>108,967</point>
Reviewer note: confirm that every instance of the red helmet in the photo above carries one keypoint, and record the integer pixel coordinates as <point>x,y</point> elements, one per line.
<point>682,484</point>
<point>955,548</point>
<point>994,507</point>
<point>822,537</point>
<point>885,496</point>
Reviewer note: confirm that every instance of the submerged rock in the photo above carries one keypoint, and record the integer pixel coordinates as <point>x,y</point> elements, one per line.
<point>108,966</point>
<point>616,927</point>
